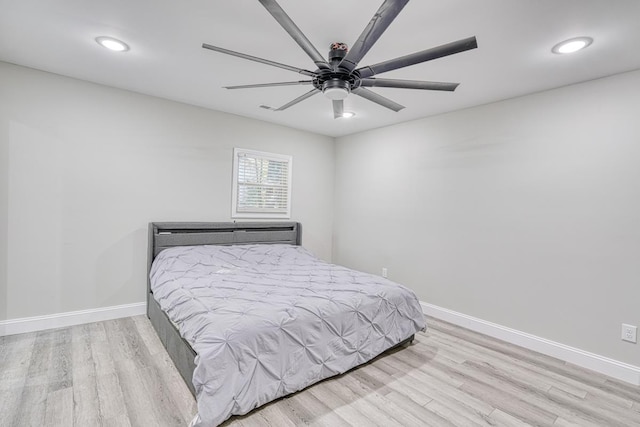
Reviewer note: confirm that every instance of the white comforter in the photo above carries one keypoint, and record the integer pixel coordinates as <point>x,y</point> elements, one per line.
<point>268,320</point>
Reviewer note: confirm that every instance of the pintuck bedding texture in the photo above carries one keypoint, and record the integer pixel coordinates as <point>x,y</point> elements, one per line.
<point>269,320</point>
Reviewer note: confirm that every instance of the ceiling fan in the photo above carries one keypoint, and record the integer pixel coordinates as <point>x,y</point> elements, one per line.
<point>338,77</point>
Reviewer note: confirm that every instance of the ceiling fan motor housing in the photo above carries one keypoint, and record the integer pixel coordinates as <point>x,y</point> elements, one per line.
<point>337,51</point>
<point>335,84</point>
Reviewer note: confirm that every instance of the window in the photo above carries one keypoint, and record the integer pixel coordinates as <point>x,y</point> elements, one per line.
<point>261,185</point>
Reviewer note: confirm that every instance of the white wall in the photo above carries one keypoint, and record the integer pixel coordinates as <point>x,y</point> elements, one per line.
<point>524,213</point>
<point>4,210</point>
<point>86,167</point>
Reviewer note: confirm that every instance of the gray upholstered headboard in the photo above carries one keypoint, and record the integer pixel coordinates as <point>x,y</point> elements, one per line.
<point>163,235</point>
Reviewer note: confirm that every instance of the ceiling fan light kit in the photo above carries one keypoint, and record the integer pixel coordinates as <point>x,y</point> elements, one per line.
<point>335,89</point>
<point>338,77</point>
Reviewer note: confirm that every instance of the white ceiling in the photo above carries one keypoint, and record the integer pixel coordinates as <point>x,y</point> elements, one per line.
<point>166,59</point>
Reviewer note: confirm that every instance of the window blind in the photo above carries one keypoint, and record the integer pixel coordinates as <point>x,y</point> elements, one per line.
<point>262,183</point>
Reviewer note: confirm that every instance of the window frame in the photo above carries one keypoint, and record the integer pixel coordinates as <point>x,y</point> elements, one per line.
<point>237,153</point>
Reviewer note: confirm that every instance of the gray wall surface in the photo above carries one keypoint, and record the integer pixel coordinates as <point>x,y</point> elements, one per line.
<point>4,210</point>
<point>525,212</point>
<point>86,167</point>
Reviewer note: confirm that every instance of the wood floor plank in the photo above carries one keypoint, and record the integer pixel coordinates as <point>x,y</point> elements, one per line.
<point>378,401</point>
<point>538,381</point>
<point>40,363</point>
<point>549,363</point>
<point>494,344</point>
<point>269,415</point>
<point>401,363</point>
<point>121,420</point>
<point>561,422</point>
<point>584,419</point>
<point>546,401</point>
<point>135,345</point>
<point>523,368</point>
<point>422,413</point>
<point>557,380</point>
<point>340,407</point>
<point>443,391</point>
<point>15,359</point>
<point>110,396</point>
<point>97,331</point>
<point>374,414</point>
<point>625,390</point>
<point>138,403</point>
<point>81,353</point>
<point>509,403</point>
<point>314,411</point>
<point>9,400</point>
<point>175,386</point>
<point>456,418</point>
<point>102,356</point>
<point>83,374</point>
<point>371,382</point>
<point>505,420</point>
<point>450,398</point>
<point>60,369</point>
<point>32,406</point>
<point>117,341</point>
<point>86,410</point>
<point>599,401</point>
<point>59,412</point>
<point>442,351</point>
<point>404,384</point>
<point>171,380</point>
<point>148,335</point>
<point>594,409</point>
<point>562,404</point>
<point>158,393</point>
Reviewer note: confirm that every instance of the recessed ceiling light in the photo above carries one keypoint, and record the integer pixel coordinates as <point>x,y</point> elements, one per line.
<point>112,44</point>
<point>348,114</point>
<point>572,45</point>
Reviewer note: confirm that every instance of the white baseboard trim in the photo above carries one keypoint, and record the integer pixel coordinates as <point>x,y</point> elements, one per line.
<point>613,368</point>
<point>61,320</point>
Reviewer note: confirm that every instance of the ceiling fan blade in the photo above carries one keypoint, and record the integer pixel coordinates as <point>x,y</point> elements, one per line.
<point>408,84</point>
<point>260,60</point>
<point>298,99</point>
<point>378,99</point>
<point>372,32</point>
<point>290,27</point>
<point>418,57</point>
<point>338,108</point>
<point>301,82</point>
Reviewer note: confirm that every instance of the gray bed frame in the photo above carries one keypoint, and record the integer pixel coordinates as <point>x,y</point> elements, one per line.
<point>163,235</point>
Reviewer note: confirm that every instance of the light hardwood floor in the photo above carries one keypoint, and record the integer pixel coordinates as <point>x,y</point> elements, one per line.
<point>116,373</point>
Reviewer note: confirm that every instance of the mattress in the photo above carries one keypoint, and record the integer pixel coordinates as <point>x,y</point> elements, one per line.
<point>269,320</point>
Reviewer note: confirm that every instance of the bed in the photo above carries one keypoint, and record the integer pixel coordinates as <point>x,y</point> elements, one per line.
<point>249,315</point>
